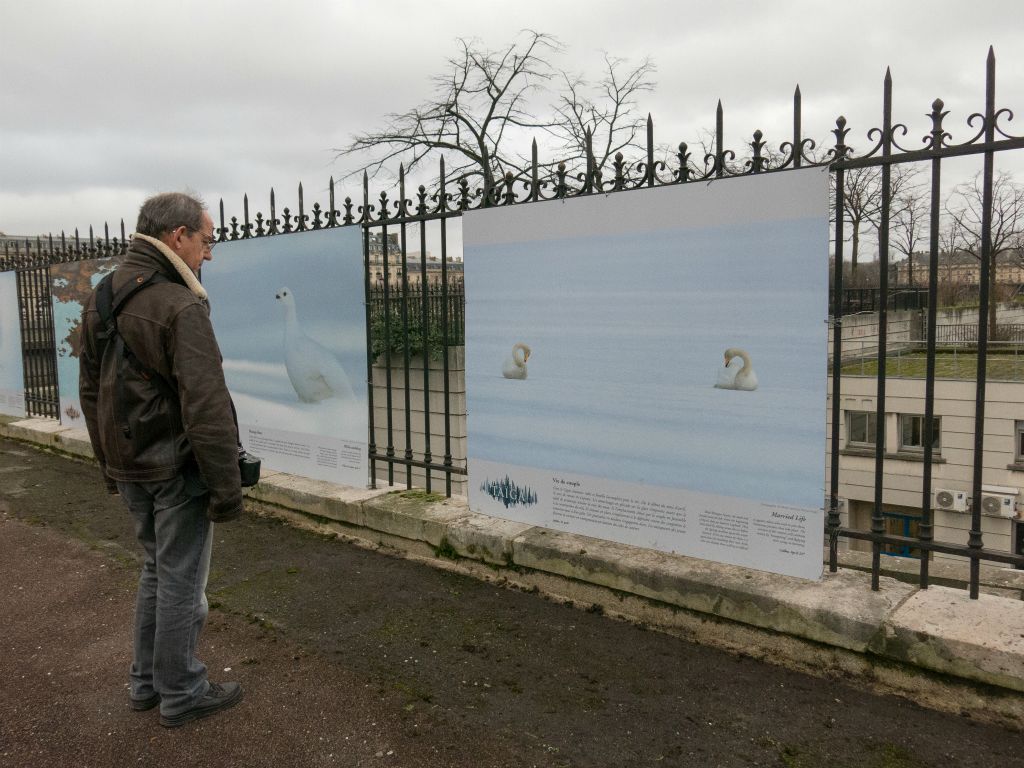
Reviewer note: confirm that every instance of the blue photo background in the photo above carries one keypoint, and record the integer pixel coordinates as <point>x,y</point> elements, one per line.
<point>71,284</point>
<point>12,384</point>
<point>627,334</point>
<point>324,274</point>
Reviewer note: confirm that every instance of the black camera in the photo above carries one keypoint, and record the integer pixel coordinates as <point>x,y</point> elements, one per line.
<point>248,467</point>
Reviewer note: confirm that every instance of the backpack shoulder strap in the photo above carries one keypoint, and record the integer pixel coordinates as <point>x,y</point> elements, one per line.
<point>108,306</point>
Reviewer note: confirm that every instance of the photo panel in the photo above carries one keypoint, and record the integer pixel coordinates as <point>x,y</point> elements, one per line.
<point>290,318</point>
<point>12,379</point>
<point>650,366</point>
<point>70,286</point>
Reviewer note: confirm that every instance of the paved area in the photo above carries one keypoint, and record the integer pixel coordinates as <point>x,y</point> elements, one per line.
<point>899,634</point>
<point>353,658</point>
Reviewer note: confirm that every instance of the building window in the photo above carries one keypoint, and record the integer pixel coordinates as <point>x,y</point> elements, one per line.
<point>1018,452</point>
<point>860,429</point>
<point>912,433</point>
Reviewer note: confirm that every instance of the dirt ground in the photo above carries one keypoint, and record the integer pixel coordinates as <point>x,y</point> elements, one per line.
<point>352,658</point>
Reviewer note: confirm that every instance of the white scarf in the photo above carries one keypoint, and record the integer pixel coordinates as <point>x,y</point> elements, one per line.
<point>180,266</point>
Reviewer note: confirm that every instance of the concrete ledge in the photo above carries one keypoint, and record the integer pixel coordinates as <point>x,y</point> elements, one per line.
<point>488,539</point>
<point>312,497</point>
<point>840,610</point>
<point>940,630</point>
<point>414,516</point>
<point>944,630</point>
<point>51,434</point>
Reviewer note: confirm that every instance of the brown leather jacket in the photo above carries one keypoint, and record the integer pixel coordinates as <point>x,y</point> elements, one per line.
<point>167,326</point>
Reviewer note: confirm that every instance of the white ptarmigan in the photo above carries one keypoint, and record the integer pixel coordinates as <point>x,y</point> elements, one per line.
<point>314,371</point>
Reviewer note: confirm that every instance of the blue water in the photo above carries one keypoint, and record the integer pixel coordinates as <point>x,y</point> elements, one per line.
<point>627,335</point>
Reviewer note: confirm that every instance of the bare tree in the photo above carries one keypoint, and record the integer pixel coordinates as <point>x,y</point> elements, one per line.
<point>862,203</point>
<point>486,106</point>
<point>610,118</point>
<point>965,207</point>
<point>908,231</point>
<point>862,196</point>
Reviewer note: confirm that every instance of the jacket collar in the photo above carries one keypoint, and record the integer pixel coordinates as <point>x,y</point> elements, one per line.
<point>178,265</point>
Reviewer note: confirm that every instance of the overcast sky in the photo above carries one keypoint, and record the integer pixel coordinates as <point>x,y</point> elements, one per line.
<point>104,103</point>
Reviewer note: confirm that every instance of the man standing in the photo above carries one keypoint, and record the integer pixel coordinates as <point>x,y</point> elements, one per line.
<point>163,430</point>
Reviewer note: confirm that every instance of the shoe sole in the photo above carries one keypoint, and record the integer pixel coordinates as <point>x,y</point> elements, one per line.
<point>175,721</point>
<point>142,705</point>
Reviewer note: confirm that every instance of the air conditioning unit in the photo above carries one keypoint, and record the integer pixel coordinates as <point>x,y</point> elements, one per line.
<point>1000,504</point>
<point>947,498</point>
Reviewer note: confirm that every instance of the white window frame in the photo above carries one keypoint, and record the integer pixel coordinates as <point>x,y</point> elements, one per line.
<point>909,419</point>
<point>869,417</point>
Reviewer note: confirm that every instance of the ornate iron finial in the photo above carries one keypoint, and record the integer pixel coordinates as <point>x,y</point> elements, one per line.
<point>317,224</point>
<point>841,132</point>
<point>534,173</point>
<point>719,140</point>
<point>272,222</point>
<point>302,218</point>
<point>286,220</point>
<point>560,187</point>
<point>757,162</point>
<point>619,167</point>
<point>364,210</point>
<point>403,203</point>
<point>797,149</point>
<point>421,200</point>
<point>937,137</point>
<point>509,196</point>
<point>683,156</point>
<point>332,214</point>
<point>223,230</point>
<point>650,150</point>
<point>246,227</point>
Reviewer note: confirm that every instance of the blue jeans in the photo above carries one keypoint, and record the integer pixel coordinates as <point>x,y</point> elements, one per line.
<point>170,608</point>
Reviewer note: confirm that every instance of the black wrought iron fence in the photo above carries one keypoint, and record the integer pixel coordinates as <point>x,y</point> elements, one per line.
<point>38,342</point>
<point>415,316</point>
<point>391,332</point>
<point>867,300</point>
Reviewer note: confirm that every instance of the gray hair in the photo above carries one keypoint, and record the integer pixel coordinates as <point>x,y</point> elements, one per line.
<point>169,210</point>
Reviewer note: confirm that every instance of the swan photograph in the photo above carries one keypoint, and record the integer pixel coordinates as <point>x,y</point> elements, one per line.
<point>676,399</point>
<point>683,352</point>
<point>515,366</point>
<point>290,317</point>
<point>738,371</point>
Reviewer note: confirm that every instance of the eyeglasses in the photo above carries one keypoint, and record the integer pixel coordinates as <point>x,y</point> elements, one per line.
<point>208,242</point>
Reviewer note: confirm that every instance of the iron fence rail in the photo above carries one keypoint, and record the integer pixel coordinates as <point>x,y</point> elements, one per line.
<point>394,309</point>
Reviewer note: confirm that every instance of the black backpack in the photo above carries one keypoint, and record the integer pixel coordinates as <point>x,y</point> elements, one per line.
<point>108,306</point>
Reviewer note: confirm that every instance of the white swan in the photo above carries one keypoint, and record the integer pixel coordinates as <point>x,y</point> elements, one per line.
<point>515,366</point>
<point>314,371</point>
<point>732,376</point>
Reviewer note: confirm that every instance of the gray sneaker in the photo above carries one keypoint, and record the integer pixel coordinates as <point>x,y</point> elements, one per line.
<point>220,696</point>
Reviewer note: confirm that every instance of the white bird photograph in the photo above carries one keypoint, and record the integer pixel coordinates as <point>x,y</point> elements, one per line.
<point>290,317</point>
<point>515,365</point>
<point>738,372</point>
<point>313,369</point>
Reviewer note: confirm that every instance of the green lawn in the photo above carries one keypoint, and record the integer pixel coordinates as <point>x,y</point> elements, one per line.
<point>948,365</point>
